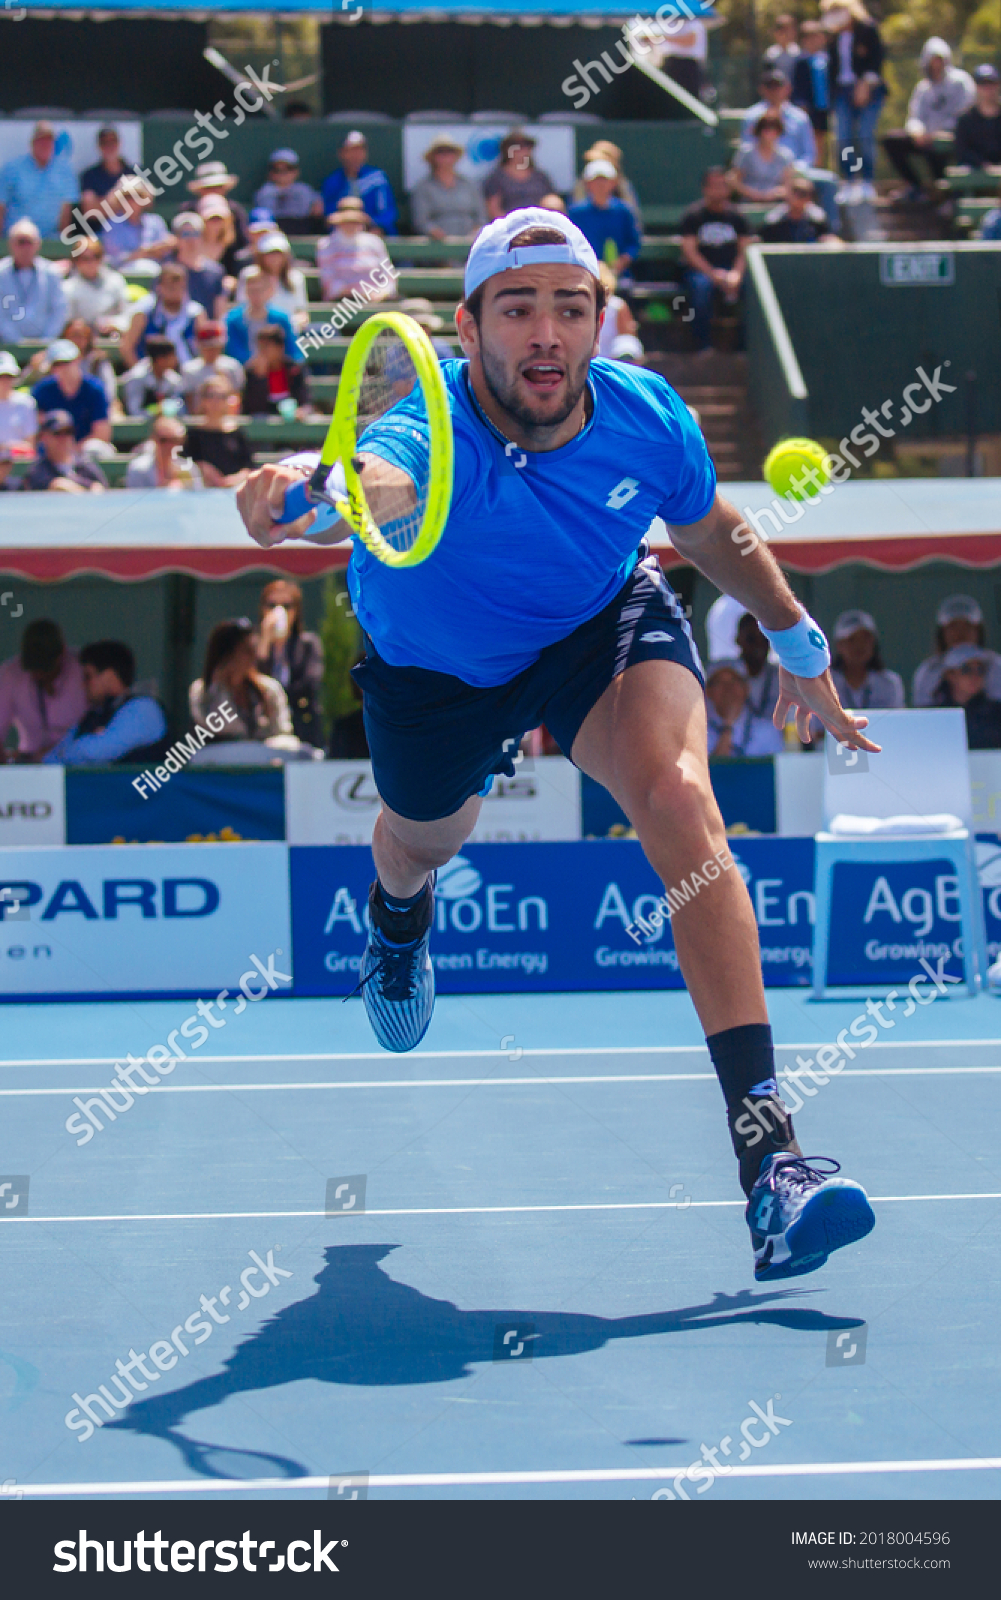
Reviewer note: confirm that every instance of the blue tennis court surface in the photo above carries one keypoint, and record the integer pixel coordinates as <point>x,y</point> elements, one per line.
<point>536,1278</point>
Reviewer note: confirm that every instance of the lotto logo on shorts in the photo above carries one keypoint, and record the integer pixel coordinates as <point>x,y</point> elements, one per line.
<point>847,1348</point>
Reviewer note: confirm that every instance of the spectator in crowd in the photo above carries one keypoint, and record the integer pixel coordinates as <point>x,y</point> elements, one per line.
<point>99,180</point>
<point>355,177</point>
<point>760,674</point>
<point>861,679</point>
<point>275,386</point>
<point>811,82</point>
<point>210,360</point>
<point>607,223</point>
<point>350,254</point>
<point>605,150</point>
<point>244,321</point>
<point>294,205</point>
<point>32,297</point>
<point>158,462</point>
<point>714,239</point>
<point>797,136</point>
<point>783,54</point>
<point>231,675</point>
<point>515,181</point>
<point>134,233</point>
<point>959,620</point>
<point>118,725</point>
<point>220,241</point>
<point>18,412</point>
<point>444,205</point>
<point>618,336</point>
<point>965,671</point>
<point>215,442</point>
<point>68,389</point>
<point>273,254</point>
<point>293,657</point>
<point>212,182</point>
<point>937,102</point>
<point>173,314</point>
<point>155,382</point>
<point>61,464</point>
<point>41,185</point>
<point>796,131</point>
<point>8,484</point>
<point>855,75</point>
<point>205,276</point>
<point>797,220</point>
<point>762,165</point>
<point>97,293</point>
<point>733,728</point>
<point>978,131</point>
<point>42,694</point>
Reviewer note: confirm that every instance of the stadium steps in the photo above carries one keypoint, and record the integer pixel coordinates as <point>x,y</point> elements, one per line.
<point>716,387</point>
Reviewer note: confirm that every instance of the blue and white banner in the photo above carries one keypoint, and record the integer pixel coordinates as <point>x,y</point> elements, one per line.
<point>133,920</point>
<point>538,917</point>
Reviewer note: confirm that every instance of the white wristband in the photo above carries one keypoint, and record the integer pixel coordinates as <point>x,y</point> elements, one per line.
<point>801,649</point>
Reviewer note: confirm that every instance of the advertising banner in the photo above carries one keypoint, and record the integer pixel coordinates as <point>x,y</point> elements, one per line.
<point>336,802</point>
<point>540,917</point>
<point>140,919</point>
<point>32,806</point>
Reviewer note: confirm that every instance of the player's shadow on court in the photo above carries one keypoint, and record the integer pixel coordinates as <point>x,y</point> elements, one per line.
<point>362,1327</point>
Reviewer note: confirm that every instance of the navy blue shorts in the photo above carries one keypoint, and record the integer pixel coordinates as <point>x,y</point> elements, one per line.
<point>436,740</point>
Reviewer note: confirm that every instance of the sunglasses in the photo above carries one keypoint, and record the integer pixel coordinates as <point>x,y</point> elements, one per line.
<point>283,166</point>
<point>973,669</point>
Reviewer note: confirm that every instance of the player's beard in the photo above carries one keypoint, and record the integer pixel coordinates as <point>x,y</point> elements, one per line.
<point>502,388</point>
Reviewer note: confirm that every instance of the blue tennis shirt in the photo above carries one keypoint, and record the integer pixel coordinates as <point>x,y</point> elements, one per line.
<point>536,543</point>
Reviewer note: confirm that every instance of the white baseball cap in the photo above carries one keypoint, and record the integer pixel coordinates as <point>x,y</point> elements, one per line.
<point>8,365</point>
<point>599,168</point>
<point>958,608</point>
<point>492,251</point>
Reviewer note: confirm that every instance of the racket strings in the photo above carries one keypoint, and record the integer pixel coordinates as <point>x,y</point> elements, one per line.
<point>389,379</point>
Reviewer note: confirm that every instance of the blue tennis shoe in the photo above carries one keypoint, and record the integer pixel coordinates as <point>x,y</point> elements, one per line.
<point>798,1212</point>
<point>397,983</point>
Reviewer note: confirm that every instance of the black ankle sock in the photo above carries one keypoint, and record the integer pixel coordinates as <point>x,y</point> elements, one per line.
<point>401,918</point>
<point>759,1122</point>
<point>744,1059</point>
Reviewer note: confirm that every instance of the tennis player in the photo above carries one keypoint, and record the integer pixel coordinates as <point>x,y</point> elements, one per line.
<point>542,603</point>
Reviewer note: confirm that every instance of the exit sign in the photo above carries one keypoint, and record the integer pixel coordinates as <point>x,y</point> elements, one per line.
<point>900,269</point>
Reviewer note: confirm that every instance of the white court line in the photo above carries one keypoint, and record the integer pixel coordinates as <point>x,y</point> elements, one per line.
<point>462,1211</point>
<point>554,1050</point>
<point>488,1083</point>
<point>455,1480</point>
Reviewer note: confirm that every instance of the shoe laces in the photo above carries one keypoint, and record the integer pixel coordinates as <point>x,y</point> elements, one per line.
<point>800,1172</point>
<point>397,966</point>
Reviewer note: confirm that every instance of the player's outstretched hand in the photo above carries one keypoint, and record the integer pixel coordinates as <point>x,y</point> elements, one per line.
<point>819,698</point>
<point>261,500</point>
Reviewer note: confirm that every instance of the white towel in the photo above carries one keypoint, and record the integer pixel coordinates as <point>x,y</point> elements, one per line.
<point>869,827</point>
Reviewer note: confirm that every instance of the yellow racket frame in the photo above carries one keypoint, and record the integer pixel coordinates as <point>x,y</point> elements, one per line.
<point>341,443</point>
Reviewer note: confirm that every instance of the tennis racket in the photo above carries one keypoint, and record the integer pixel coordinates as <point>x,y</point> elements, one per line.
<point>389,360</point>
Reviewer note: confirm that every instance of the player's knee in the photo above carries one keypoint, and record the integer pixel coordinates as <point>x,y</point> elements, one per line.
<point>676,796</point>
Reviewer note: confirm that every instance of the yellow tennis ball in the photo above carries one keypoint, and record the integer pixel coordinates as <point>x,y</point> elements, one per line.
<point>787,461</point>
